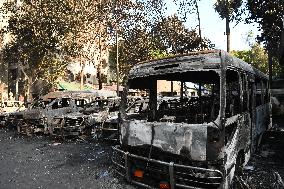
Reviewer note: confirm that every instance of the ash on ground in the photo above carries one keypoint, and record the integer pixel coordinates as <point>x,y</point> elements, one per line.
<point>40,162</point>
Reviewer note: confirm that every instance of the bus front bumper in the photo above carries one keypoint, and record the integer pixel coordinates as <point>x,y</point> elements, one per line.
<point>151,173</point>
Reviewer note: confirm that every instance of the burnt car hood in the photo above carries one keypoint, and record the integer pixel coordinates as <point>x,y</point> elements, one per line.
<point>5,113</point>
<point>112,119</point>
<point>74,115</point>
<point>181,139</point>
<point>20,113</point>
<point>34,114</point>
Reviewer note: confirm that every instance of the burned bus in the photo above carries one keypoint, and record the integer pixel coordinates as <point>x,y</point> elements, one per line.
<point>199,142</point>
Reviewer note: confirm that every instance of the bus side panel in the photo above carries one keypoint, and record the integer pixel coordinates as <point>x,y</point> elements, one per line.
<point>262,121</point>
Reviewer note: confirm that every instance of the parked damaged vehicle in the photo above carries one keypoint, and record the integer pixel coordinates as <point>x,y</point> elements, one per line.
<point>277,93</point>
<point>7,108</point>
<point>107,128</point>
<point>82,122</point>
<point>198,142</point>
<point>72,123</point>
<point>40,116</point>
<point>102,118</point>
<point>15,119</point>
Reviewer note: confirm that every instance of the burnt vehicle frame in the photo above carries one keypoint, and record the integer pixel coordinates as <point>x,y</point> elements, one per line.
<point>38,119</point>
<point>103,119</point>
<point>81,123</point>
<point>8,108</point>
<point>108,129</point>
<point>189,153</point>
<point>73,123</point>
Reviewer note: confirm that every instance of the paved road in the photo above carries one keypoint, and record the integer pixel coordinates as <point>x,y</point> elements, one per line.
<point>40,162</point>
<point>266,167</point>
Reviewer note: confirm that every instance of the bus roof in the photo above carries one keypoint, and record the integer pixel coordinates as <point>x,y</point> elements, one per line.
<point>211,59</point>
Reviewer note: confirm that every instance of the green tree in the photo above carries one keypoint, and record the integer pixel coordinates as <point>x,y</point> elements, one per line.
<point>230,10</point>
<point>269,15</point>
<point>168,37</point>
<point>257,56</point>
<point>38,29</point>
<point>173,34</point>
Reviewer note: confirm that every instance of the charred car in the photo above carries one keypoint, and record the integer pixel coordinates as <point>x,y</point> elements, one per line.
<point>200,142</point>
<point>7,108</point>
<point>82,122</point>
<point>107,127</point>
<point>100,111</point>
<point>71,123</point>
<point>38,117</point>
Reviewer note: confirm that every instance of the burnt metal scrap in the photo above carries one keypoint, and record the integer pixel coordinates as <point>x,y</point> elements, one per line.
<point>9,108</point>
<point>104,120</point>
<point>87,121</point>
<point>39,120</point>
<point>191,142</point>
<point>71,124</point>
<point>39,116</point>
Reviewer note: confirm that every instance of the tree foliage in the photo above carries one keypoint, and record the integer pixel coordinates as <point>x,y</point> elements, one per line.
<point>232,8</point>
<point>269,15</point>
<point>167,37</point>
<point>38,29</point>
<point>47,33</point>
<point>257,56</point>
<point>173,35</point>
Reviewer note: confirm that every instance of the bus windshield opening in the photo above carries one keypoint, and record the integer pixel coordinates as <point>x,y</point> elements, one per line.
<point>192,97</point>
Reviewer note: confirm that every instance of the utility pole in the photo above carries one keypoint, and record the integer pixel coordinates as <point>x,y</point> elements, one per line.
<point>282,48</point>
<point>117,62</point>
<point>270,64</point>
<point>199,24</point>
<point>228,32</point>
<point>117,53</point>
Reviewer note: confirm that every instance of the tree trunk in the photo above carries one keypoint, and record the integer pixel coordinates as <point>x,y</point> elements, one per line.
<point>228,33</point>
<point>82,73</point>
<point>270,66</point>
<point>281,60</point>
<point>82,79</point>
<point>117,63</point>
<point>28,95</point>
<point>100,61</point>
<point>100,58</point>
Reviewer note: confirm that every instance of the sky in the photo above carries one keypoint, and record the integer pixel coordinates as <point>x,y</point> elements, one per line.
<point>213,27</point>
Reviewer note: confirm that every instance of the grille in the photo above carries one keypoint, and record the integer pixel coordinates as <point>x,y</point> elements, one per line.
<point>73,122</point>
<point>155,171</point>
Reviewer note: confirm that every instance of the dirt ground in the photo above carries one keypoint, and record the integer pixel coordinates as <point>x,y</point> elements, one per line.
<point>266,167</point>
<point>40,162</point>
